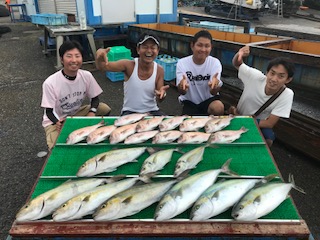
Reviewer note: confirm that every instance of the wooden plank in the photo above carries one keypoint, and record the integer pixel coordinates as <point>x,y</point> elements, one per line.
<point>297,230</point>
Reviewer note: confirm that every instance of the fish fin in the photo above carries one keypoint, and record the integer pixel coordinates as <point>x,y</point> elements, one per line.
<point>291,180</point>
<point>110,169</point>
<point>127,200</point>
<point>102,123</point>
<point>225,168</point>
<point>116,178</point>
<point>87,198</point>
<point>179,150</point>
<point>266,179</point>
<point>215,195</point>
<point>257,200</point>
<point>244,129</point>
<point>146,178</point>
<point>183,175</point>
<point>152,150</point>
<point>53,196</point>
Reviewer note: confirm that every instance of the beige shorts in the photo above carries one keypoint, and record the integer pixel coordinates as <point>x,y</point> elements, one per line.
<point>52,133</point>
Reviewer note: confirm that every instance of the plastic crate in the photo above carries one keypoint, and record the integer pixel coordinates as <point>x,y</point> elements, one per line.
<point>169,65</point>
<point>115,76</point>
<point>119,52</point>
<point>49,19</point>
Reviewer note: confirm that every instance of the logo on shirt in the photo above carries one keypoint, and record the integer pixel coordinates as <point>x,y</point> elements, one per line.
<point>198,79</point>
<point>68,107</point>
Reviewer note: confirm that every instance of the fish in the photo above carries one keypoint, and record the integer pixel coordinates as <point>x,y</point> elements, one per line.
<point>189,160</point>
<point>171,123</point>
<point>194,124</point>
<point>81,134</point>
<point>194,137</point>
<point>226,136</point>
<point>140,137</point>
<point>217,124</point>
<point>109,161</point>
<point>100,134</point>
<point>87,202</point>
<point>129,119</point>
<point>156,161</point>
<point>149,124</point>
<point>132,201</point>
<point>46,203</point>
<point>222,196</point>
<point>121,133</point>
<point>183,194</point>
<point>167,136</point>
<point>262,200</point>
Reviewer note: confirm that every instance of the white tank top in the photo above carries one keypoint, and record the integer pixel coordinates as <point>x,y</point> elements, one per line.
<point>139,94</point>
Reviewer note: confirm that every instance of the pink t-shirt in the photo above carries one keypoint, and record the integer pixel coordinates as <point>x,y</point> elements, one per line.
<point>66,96</point>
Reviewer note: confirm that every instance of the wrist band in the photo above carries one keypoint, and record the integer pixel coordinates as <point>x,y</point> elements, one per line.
<point>94,110</point>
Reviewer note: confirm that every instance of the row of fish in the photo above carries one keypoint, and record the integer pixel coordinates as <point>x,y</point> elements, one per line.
<point>126,129</point>
<point>109,161</point>
<point>250,198</point>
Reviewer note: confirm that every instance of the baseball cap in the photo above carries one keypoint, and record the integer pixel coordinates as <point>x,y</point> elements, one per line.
<point>145,36</point>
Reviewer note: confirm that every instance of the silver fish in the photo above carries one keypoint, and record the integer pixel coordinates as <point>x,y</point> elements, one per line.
<point>121,133</point>
<point>194,124</point>
<point>109,161</point>
<point>216,124</point>
<point>46,203</point>
<point>194,137</point>
<point>149,124</point>
<point>182,195</point>
<point>156,161</point>
<point>171,123</point>
<point>226,136</point>
<point>189,160</point>
<point>100,134</point>
<point>128,119</point>
<point>262,200</point>
<point>140,137</point>
<point>220,197</point>
<point>87,202</point>
<point>132,201</point>
<point>167,136</point>
<point>81,134</point>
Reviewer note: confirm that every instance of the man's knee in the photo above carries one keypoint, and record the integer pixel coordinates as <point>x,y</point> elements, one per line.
<point>103,109</point>
<point>216,108</point>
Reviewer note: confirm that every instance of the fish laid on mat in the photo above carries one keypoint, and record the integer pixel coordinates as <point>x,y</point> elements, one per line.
<point>189,160</point>
<point>262,200</point>
<point>128,119</point>
<point>46,203</point>
<point>149,124</point>
<point>121,133</point>
<point>156,161</point>
<point>182,195</point>
<point>194,124</point>
<point>100,134</point>
<point>109,161</point>
<point>132,201</point>
<point>140,137</point>
<point>226,136</point>
<point>81,134</point>
<point>171,123</point>
<point>217,124</point>
<point>194,137</point>
<point>222,196</point>
<point>87,202</point>
<point>167,136</point>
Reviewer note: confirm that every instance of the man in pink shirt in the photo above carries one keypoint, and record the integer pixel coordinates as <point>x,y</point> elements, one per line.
<point>64,92</point>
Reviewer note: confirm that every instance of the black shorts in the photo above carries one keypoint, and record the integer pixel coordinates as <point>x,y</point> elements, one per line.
<point>192,109</point>
<point>152,113</point>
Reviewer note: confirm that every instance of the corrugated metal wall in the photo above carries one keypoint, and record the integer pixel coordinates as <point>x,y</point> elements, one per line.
<point>57,6</point>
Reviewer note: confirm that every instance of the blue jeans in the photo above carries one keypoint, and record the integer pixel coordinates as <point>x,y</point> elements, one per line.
<point>268,133</point>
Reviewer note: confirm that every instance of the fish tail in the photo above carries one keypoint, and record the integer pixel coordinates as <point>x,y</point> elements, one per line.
<point>244,129</point>
<point>291,180</point>
<point>225,168</point>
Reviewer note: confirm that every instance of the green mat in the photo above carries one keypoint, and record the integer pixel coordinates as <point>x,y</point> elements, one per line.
<point>250,157</point>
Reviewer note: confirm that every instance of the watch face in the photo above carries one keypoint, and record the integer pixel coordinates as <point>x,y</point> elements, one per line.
<point>93,110</point>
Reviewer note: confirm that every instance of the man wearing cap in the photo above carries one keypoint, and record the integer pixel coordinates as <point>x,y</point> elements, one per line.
<point>143,83</point>
<point>198,78</point>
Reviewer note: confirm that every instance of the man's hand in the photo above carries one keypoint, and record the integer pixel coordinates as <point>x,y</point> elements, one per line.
<point>161,93</point>
<point>101,58</point>
<point>59,125</point>
<point>183,85</point>
<point>91,114</point>
<point>243,52</point>
<point>214,83</point>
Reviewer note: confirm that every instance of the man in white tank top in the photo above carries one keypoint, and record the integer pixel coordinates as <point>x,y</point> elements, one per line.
<point>198,78</point>
<point>143,83</point>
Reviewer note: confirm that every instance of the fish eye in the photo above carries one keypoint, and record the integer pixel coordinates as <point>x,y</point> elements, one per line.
<point>26,206</point>
<point>64,205</point>
<point>197,207</point>
<point>104,206</point>
<point>241,207</point>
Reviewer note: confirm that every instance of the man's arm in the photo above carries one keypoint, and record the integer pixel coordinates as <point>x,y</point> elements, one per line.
<point>161,89</point>
<point>270,122</point>
<point>238,57</point>
<point>103,64</point>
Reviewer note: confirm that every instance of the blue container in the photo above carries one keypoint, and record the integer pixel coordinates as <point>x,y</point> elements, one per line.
<point>49,19</point>
<point>213,25</point>
<point>115,76</point>
<point>169,65</point>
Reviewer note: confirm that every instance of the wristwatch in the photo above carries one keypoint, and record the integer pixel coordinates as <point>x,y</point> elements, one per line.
<point>94,110</point>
